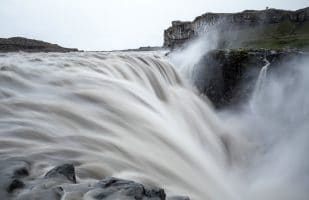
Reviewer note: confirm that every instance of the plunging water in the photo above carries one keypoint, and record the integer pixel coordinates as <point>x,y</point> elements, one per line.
<point>260,85</point>
<point>261,81</point>
<point>132,115</point>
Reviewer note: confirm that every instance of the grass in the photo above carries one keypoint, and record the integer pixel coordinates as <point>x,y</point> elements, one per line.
<point>293,41</point>
<point>277,36</point>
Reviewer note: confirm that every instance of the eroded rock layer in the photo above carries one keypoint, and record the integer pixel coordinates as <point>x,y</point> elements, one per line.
<point>270,28</point>
<point>228,77</point>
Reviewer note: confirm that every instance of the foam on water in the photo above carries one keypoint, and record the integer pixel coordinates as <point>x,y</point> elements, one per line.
<point>131,115</point>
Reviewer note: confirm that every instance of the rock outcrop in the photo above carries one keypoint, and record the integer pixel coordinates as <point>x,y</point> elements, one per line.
<point>270,28</point>
<point>228,77</point>
<point>15,44</point>
<point>17,182</point>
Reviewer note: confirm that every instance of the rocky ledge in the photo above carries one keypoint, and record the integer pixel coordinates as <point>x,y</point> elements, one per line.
<point>270,28</point>
<point>15,44</point>
<point>228,76</point>
<point>60,182</point>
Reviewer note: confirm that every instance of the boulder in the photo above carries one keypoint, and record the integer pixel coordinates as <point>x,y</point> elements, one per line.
<point>66,171</point>
<point>113,188</point>
<point>60,182</point>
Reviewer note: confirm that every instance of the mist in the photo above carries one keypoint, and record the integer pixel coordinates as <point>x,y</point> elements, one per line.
<point>267,136</point>
<point>207,119</point>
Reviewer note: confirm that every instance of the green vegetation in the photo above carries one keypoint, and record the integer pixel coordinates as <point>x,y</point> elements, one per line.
<point>277,36</point>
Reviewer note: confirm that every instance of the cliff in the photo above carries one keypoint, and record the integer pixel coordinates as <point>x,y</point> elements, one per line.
<point>228,77</point>
<point>23,44</point>
<point>270,28</point>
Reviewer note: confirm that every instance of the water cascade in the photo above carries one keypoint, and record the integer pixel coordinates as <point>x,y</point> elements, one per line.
<point>132,116</point>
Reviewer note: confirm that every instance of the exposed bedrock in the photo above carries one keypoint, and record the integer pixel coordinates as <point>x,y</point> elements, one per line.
<point>270,28</point>
<point>17,182</point>
<point>228,77</point>
<point>28,45</point>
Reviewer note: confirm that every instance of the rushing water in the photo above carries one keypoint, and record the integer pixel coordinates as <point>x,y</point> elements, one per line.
<point>132,115</point>
<point>260,84</point>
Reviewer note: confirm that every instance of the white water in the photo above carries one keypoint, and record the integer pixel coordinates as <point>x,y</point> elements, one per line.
<point>260,84</point>
<point>262,77</point>
<point>131,115</point>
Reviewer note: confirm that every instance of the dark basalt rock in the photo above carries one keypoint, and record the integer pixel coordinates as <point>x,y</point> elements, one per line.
<point>16,44</point>
<point>12,171</point>
<point>250,28</point>
<point>114,188</point>
<point>228,77</point>
<point>64,171</point>
<point>16,183</point>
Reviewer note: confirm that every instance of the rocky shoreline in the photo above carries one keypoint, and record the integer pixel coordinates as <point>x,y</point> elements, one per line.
<point>61,181</point>
<point>16,44</point>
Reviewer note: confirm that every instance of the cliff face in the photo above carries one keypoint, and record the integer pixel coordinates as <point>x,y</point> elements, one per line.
<point>228,77</point>
<point>23,44</point>
<point>270,28</point>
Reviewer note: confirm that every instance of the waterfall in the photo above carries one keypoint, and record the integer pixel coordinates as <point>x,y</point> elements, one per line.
<point>115,114</point>
<point>260,83</point>
<point>133,116</point>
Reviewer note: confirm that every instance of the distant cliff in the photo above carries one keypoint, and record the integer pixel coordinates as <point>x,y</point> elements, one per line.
<point>23,44</point>
<point>270,28</point>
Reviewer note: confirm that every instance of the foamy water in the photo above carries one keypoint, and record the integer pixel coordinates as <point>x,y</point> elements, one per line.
<point>133,116</point>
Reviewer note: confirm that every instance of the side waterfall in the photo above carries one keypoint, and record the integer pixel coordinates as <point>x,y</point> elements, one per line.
<point>260,83</point>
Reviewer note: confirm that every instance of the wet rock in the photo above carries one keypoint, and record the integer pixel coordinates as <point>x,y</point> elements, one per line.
<point>12,171</point>
<point>228,77</point>
<point>14,168</point>
<point>64,171</point>
<point>123,189</point>
<point>16,184</point>
<point>60,183</point>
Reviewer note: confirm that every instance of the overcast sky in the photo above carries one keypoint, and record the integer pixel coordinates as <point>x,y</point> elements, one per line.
<point>112,24</point>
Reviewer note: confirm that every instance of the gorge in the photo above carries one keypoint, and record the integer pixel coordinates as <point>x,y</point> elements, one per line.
<point>217,113</point>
